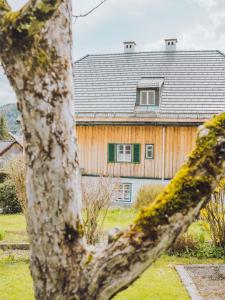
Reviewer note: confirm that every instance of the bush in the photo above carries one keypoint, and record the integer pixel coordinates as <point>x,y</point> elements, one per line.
<point>97,196</point>
<point>8,199</point>
<point>214,215</point>
<point>184,245</point>
<point>196,246</point>
<point>16,170</point>
<point>147,194</point>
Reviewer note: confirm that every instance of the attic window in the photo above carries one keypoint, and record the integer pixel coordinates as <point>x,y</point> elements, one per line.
<point>147,97</point>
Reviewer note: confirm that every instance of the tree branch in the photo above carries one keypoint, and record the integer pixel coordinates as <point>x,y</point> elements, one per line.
<point>158,226</point>
<point>90,11</point>
<point>25,23</point>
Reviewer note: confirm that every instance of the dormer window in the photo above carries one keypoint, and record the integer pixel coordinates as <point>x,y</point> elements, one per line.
<point>148,97</point>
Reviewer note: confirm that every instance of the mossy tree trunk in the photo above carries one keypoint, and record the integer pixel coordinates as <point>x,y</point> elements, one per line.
<point>37,60</point>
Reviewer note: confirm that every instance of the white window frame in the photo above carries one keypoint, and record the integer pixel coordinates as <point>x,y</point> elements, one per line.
<point>147,146</point>
<point>148,92</point>
<point>124,156</point>
<point>122,193</point>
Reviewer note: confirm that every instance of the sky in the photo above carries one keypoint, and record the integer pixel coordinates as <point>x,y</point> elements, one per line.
<point>198,24</point>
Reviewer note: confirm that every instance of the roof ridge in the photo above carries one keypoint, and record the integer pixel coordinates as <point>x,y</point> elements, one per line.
<point>146,52</point>
<point>83,57</point>
<point>220,52</point>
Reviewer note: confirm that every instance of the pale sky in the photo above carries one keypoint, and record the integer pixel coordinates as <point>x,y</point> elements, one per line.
<point>198,24</point>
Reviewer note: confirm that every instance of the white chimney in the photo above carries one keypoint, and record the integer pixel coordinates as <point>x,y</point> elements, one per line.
<point>171,44</point>
<point>129,47</point>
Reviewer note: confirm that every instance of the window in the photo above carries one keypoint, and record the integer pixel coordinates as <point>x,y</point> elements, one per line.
<point>119,153</point>
<point>147,98</point>
<point>149,151</point>
<point>125,190</point>
<point>124,153</point>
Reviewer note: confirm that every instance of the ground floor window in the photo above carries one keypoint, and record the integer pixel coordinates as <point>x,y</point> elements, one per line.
<point>125,191</point>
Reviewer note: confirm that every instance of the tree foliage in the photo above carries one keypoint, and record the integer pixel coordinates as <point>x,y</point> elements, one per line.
<point>4,133</point>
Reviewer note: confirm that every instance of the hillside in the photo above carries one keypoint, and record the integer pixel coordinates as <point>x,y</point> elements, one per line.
<point>11,114</point>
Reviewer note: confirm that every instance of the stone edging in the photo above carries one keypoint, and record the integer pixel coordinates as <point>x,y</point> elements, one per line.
<point>14,246</point>
<point>188,283</point>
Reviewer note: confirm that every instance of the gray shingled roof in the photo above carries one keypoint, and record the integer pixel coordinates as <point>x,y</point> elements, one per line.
<point>4,145</point>
<point>194,82</point>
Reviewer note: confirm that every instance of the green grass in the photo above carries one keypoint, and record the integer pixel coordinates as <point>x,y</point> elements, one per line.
<point>12,222</point>
<point>15,283</point>
<point>159,282</point>
<point>121,218</point>
<point>14,228</point>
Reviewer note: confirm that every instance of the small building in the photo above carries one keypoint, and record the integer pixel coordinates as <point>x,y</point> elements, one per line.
<point>137,113</point>
<point>10,149</point>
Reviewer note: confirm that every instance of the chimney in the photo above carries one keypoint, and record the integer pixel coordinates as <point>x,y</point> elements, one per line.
<point>171,44</point>
<point>129,47</point>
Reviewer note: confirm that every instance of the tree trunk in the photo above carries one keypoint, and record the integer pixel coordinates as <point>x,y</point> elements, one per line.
<point>37,60</point>
<point>42,78</point>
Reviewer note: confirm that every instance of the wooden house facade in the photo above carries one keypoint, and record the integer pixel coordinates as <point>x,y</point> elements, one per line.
<point>137,113</point>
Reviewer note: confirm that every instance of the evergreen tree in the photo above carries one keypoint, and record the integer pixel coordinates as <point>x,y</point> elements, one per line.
<point>4,133</point>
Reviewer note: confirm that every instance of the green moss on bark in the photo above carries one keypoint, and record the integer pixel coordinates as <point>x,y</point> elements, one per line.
<point>4,7</point>
<point>17,27</point>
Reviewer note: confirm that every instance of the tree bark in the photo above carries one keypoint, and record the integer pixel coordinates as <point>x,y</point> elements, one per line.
<point>37,60</point>
<point>41,75</point>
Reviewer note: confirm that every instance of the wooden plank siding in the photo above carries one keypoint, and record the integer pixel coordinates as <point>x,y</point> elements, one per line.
<point>93,149</point>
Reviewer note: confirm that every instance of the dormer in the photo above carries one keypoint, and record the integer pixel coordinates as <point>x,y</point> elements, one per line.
<point>149,93</point>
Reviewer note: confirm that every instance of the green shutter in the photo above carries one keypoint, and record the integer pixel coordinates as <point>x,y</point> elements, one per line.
<point>136,153</point>
<point>111,153</point>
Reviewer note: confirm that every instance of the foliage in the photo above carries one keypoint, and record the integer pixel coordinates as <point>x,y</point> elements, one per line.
<point>16,170</point>
<point>214,214</point>
<point>189,245</point>
<point>8,198</point>
<point>97,196</point>
<point>11,114</point>
<point>4,133</point>
<point>147,194</point>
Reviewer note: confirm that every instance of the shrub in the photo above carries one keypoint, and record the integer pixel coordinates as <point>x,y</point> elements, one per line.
<point>196,246</point>
<point>16,170</point>
<point>8,198</point>
<point>147,194</point>
<point>97,196</point>
<point>214,214</point>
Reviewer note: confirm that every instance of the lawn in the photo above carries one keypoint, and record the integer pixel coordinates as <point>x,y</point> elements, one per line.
<point>13,228</point>
<point>159,282</point>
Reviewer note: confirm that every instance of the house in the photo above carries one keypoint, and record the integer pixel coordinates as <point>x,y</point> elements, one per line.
<point>137,113</point>
<point>11,148</point>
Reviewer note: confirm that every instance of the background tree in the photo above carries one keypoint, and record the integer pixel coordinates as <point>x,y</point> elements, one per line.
<point>4,133</point>
<point>35,51</point>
